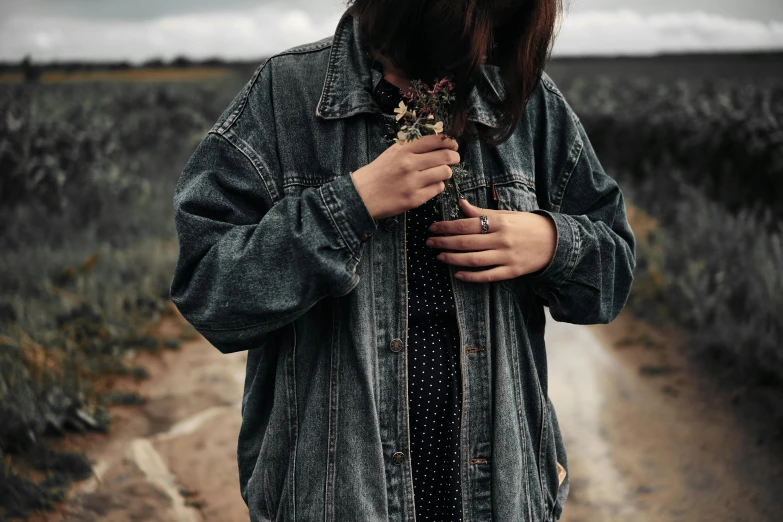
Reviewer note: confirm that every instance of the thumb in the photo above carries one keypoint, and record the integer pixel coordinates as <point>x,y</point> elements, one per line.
<point>473,211</point>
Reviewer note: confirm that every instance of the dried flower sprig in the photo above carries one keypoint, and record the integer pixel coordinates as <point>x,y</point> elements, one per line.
<point>427,110</point>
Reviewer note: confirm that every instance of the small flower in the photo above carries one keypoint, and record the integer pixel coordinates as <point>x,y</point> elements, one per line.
<point>400,110</point>
<point>402,135</point>
<point>430,117</point>
<point>438,127</point>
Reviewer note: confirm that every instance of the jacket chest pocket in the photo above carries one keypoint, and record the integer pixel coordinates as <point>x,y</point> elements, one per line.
<point>515,194</point>
<point>510,172</point>
<point>500,191</point>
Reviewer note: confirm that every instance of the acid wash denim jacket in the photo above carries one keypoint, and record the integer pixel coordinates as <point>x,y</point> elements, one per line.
<point>280,256</point>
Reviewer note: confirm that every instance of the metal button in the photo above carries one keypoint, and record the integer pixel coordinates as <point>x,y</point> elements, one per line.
<point>396,345</point>
<point>390,224</point>
<point>398,457</point>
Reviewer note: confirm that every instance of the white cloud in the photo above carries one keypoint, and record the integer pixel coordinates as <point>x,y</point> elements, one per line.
<point>628,32</point>
<point>271,28</point>
<point>248,34</point>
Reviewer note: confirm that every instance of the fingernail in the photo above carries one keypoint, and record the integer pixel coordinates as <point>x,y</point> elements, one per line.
<point>429,242</point>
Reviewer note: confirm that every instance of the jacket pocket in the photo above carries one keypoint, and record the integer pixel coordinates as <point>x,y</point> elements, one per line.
<point>552,471</point>
<point>515,194</point>
<point>270,487</point>
<point>548,465</point>
<point>563,477</point>
<point>269,497</point>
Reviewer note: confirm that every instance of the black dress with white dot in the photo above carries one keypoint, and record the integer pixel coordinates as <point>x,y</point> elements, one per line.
<point>434,373</point>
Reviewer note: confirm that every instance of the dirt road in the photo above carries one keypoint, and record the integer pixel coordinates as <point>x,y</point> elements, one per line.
<point>646,441</point>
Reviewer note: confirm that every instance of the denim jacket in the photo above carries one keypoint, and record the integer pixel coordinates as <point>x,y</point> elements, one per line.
<point>280,256</point>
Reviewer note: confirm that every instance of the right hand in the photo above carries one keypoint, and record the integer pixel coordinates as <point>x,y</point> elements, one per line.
<point>406,175</point>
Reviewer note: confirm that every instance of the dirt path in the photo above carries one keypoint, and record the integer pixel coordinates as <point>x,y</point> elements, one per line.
<point>174,458</point>
<point>649,440</point>
<point>649,445</point>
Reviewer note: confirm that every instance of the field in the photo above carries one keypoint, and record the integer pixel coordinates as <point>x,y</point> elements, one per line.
<point>89,161</point>
<point>697,144</point>
<point>88,242</point>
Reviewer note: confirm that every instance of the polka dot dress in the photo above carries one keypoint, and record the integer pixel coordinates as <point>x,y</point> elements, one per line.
<point>434,373</point>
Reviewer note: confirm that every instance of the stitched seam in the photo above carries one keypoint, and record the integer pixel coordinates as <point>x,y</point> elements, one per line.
<point>547,82</point>
<point>577,247</point>
<point>247,154</point>
<point>523,181</point>
<point>237,113</point>
<point>557,245</point>
<point>331,450</point>
<point>295,426</point>
<point>515,369</point>
<point>234,116</point>
<point>302,180</point>
<point>330,68</point>
<point>207,328</point>
<point>334,222</point>
<point>566,175</point>
<point>267,496</point>
<point>306,48</point>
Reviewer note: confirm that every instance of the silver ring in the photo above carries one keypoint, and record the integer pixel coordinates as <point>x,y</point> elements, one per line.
<point>484,224</point>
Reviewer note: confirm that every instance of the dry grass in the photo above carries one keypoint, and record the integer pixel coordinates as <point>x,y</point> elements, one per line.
<point>170,74</point>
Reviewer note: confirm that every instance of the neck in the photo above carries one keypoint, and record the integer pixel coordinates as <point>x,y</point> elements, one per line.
<point>392,74</point>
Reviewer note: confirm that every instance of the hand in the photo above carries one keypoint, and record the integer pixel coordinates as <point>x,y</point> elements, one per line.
<point>406,175</point>
<point>517,243</point>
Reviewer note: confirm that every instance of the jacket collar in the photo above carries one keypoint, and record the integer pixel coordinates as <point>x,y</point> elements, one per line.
<point>350,80</point>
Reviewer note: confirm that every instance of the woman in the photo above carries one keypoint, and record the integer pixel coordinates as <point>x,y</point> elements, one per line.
<point>303,241</point>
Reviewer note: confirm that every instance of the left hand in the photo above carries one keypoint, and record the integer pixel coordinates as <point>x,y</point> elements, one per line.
<point>517,243</point>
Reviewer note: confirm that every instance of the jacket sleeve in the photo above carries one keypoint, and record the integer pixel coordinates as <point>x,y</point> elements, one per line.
<point>249,264</point>
<point>589,278</point>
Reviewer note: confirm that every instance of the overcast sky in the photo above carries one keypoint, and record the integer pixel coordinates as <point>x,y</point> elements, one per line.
<point>141,29</point>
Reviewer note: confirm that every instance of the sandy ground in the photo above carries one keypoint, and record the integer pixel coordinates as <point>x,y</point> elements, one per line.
<point>647,439</point>
<point>174,458</point>
<point>650,439</point>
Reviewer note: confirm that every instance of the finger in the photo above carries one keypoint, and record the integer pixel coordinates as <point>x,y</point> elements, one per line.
<point>431,142</point>
<point>481,258</point>
<point>434,174</point>
<point>432,190</point>
<point>470,225</point>
<point>472,210</point>
<point>435,157</point>
<point>499,273</point>
<point>465,242</point>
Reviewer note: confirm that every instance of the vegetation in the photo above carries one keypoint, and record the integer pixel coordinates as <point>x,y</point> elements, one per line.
<point>88,248</point>
<point>704,157</point>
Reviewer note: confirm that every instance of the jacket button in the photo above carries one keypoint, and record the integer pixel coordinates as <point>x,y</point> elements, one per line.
<point>398,457</point>
<point>396,345</point>
<point>390,224</point>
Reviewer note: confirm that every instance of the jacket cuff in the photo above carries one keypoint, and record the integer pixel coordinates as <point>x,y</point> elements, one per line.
<point>349,214</point>
<point>566,250</point>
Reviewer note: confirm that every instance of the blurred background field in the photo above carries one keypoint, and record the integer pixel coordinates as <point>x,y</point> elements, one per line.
<point>89,156</point>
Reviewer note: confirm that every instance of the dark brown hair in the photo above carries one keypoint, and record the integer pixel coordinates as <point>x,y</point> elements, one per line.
<point>433,38</point>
